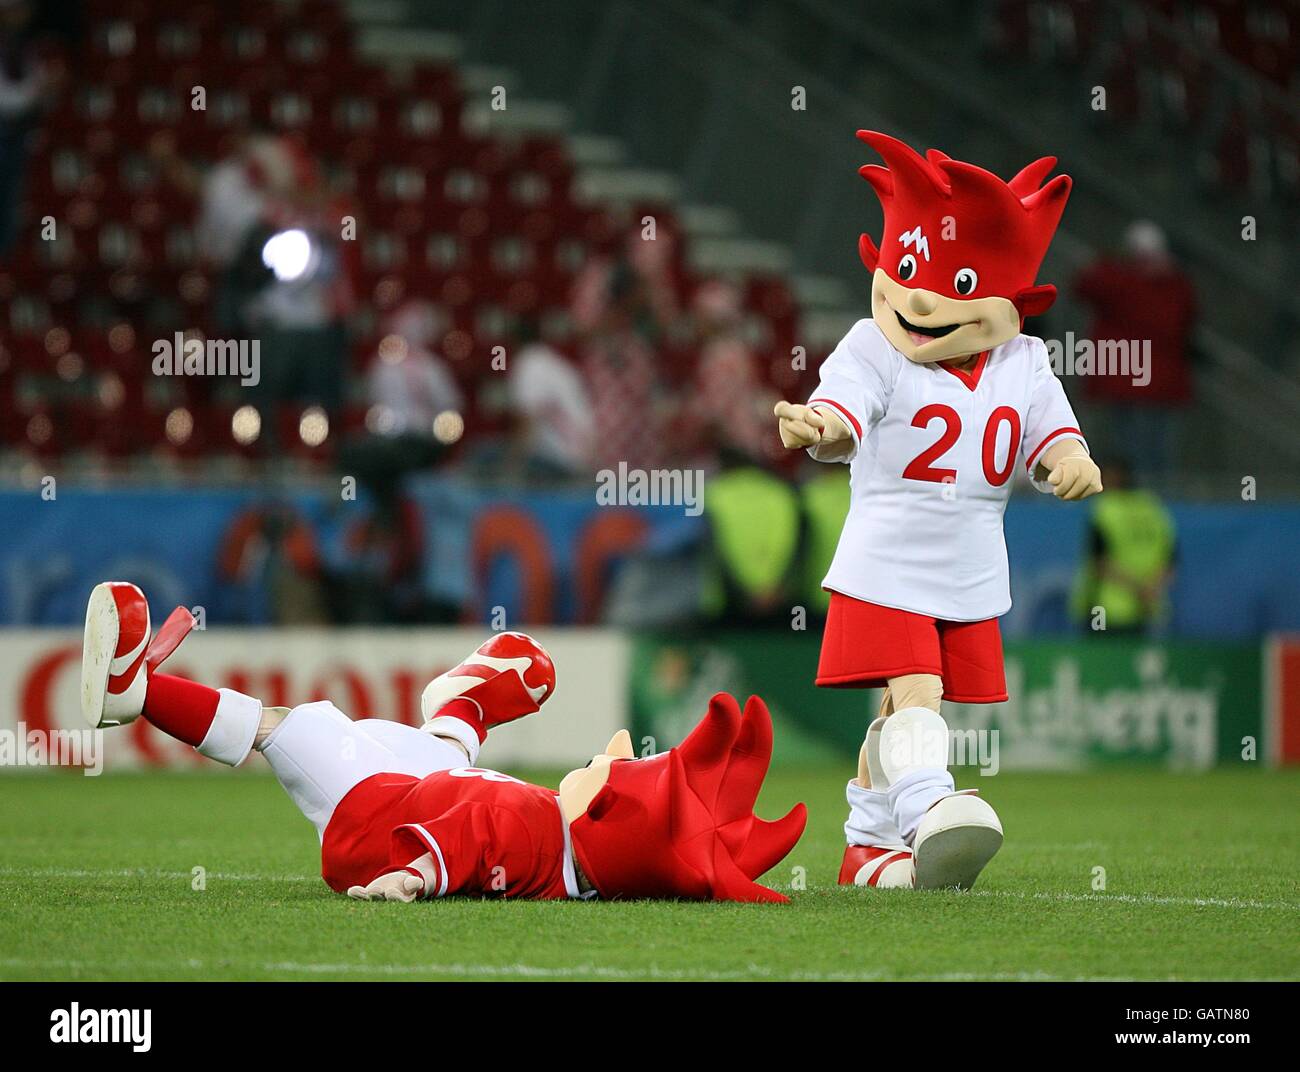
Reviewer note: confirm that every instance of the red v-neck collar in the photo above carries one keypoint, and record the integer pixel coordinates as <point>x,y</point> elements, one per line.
<point>970,378</point>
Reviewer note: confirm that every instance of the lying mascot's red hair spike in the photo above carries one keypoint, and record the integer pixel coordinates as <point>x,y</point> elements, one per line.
<point>682,823</point>
<point>951,215</point>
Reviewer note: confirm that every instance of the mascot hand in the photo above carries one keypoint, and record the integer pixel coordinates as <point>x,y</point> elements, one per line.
<point>802,426</point>
<point>394,886</point>
<point>1075,477</point>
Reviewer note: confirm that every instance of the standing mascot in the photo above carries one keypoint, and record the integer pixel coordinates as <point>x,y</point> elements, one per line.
<point>933,402</point>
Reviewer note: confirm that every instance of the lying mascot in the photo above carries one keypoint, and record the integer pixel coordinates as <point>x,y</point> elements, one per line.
<point>404,814</point>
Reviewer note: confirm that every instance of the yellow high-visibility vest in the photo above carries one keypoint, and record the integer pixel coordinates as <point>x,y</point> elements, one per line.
<point>754,517</point>
<point>1138,534</point>
<point>826,508</point>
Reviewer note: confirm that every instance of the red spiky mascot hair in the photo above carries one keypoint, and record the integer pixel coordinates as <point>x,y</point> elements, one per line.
<point>968,218</point>
<point>682,823</point>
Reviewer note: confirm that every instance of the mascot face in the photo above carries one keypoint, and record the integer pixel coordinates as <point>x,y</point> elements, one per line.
<point>926,325</point>
<point>954,272</point>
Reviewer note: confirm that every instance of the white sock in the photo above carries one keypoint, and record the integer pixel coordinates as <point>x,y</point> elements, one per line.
<point>871,819</point>
<point>456,731</point>
<point>234,727</point>
<point>914,794</point>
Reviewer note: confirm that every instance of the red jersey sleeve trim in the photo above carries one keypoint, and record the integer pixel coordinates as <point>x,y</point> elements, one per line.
<point>439,861</point>
<point>1029,464</point>
<point>853,421</point>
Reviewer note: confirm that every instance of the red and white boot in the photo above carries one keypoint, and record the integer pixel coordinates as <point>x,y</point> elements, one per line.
<point>872,865</point>
<point>117,656</point>
<point>505,678</point>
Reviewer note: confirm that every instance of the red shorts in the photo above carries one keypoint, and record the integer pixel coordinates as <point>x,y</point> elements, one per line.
<point>866,644</point>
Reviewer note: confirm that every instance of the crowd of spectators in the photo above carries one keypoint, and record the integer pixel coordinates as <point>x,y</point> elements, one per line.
<point>639,362</point>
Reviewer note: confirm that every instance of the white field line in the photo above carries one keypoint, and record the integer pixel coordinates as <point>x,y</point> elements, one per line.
<point>145,872</point>
<point>1140,899</point>
<point>1052,895</point>
<point>532,971</point>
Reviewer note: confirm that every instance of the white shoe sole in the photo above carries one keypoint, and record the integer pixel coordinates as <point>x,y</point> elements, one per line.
<point>954,841</point>
<point>98,646</point>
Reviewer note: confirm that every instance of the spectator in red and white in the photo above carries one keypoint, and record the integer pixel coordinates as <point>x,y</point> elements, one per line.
<point>238,192</point>
<point>625,309</point>
<point>408,385</point>
<point>628,401</point>
<point>727,403</point>
<point>551,406</point>
<point>640,279</point>
<point>1139,295</point>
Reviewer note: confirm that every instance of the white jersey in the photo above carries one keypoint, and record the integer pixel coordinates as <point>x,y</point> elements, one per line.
<point>931,468</point>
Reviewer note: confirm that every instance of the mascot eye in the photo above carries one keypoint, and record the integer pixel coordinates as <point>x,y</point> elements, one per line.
<point>907,267</point>
<point>964,281</point>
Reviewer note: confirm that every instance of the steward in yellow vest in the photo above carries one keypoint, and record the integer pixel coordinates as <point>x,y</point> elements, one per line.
<point>825,507</point>
<point>755,532</point>
<point>1131,555</point>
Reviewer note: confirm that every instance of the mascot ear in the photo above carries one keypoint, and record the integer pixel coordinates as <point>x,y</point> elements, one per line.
<point>1033,301</point>
<point>868,252</point>
<point>620,746</point>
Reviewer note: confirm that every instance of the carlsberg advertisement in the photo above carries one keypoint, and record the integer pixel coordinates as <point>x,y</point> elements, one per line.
<point>1073,703</point>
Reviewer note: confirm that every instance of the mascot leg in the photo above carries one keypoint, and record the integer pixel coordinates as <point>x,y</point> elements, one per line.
<point>877,854</point>
<point>952,834</point>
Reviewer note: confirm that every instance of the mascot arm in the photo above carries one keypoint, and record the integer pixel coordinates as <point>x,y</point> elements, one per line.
<point>816,428</point>
<point>1069,469</point>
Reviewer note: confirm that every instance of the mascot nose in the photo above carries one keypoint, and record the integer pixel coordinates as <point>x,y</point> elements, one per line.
<point>922,302</point>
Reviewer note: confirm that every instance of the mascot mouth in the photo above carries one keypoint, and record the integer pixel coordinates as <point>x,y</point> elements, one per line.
<point>927,333</point>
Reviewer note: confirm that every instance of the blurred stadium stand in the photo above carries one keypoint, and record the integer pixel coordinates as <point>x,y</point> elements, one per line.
<point>615,112</point>
<point>490,220</point>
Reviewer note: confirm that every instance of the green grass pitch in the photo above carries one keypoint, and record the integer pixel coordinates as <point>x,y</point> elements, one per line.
<point>1201,882</point>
